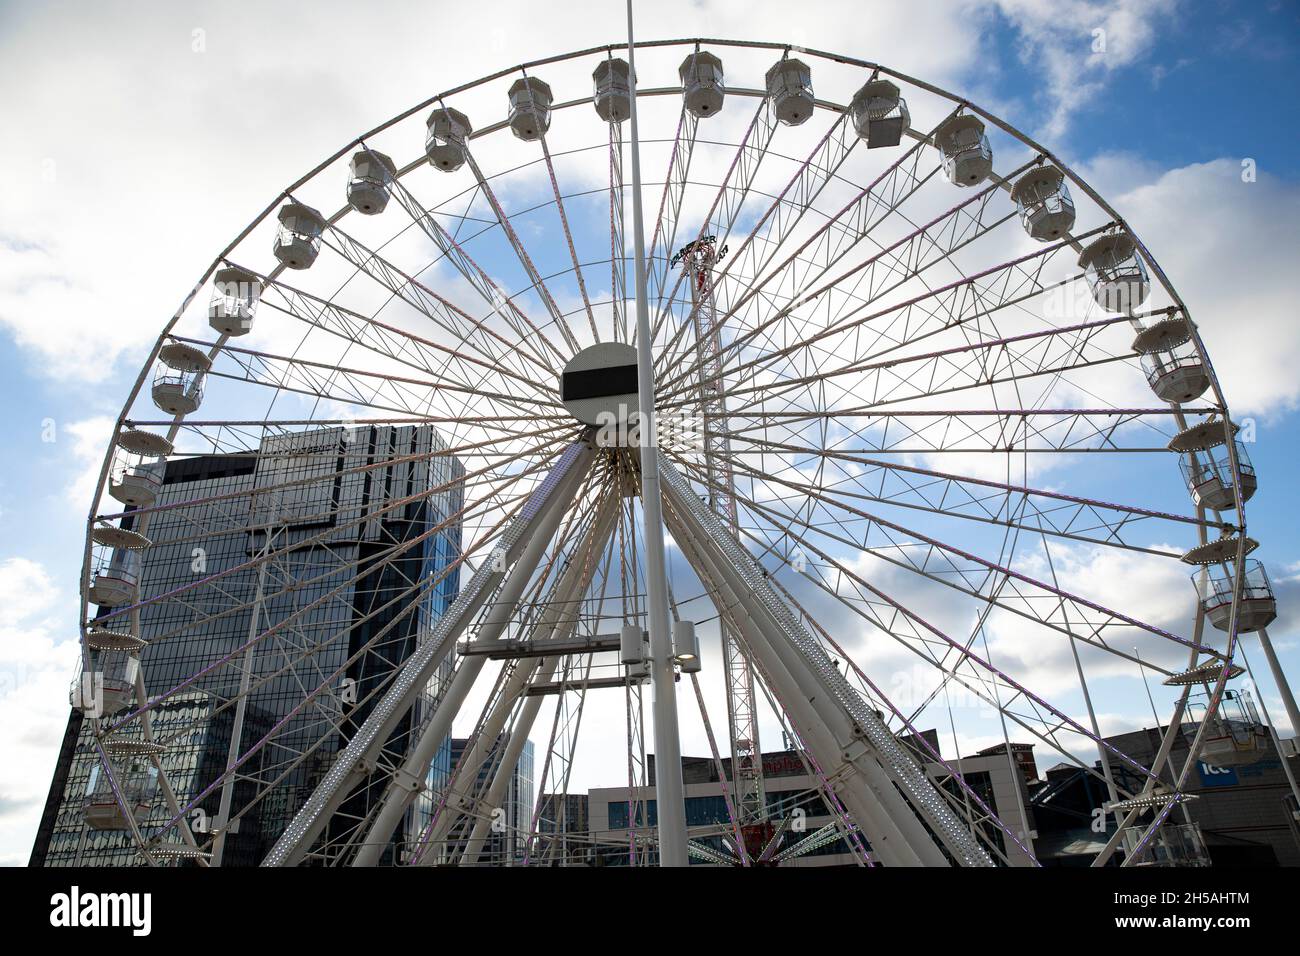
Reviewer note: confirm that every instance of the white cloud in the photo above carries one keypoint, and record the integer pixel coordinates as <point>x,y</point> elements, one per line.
<point>1076,44</point>
<point>120,202</point>
<point>90,437</point>
<point>1229,247</point>
<point>37,661</point>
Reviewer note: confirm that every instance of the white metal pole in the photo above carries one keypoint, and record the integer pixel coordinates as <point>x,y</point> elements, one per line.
<point>1279,678</point>
<point>1272,732</point>
<point>669,793</point>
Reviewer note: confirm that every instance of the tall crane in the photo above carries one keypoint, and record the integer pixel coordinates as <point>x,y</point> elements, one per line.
<point>699,258</point>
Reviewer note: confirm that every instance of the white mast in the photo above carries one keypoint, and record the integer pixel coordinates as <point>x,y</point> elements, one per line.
<point>668,756</point>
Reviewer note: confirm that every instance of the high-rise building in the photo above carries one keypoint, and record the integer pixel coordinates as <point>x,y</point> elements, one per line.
<point>508,836</point>
<point>332,595</point>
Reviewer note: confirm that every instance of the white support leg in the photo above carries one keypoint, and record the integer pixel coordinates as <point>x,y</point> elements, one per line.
<point>409,780</point>
<point>1279,678</point>
<point>353,763</point>
<point>863,790</point>
<point>505,769</point>
<point>556,622</point>
<point>865,739</point>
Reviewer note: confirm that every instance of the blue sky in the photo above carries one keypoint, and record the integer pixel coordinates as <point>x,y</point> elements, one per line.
<point>137,157</point>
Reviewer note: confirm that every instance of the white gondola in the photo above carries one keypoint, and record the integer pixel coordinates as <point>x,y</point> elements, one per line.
<point>967,156</point>
<point>1258,603</point>
<point>1177,376</point>
<point>445,142</point>
<point>115,579</point>
<point>530,108</point>
<point>134,478</point>
<point>879,114</point>
<point>1234,736</point>
<point>108,673</point>
<point>789,84</point>
<point>297,241</point>
<point>703,88</point>
<point>137,783</point>
<point>1116,272</point>
<point>235,295</point>
<point>1043,201</point>
<point>1173,366</point>
<point>370,182</point>
<point>1209,477</point>
<point>613,90</point>
<point>179,378</point>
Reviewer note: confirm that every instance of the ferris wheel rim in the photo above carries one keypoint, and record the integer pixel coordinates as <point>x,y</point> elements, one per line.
<point>1043,155</point>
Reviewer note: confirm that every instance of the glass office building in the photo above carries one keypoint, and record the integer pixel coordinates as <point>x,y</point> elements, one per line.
<point>507,842</point>
<point>339,592</point>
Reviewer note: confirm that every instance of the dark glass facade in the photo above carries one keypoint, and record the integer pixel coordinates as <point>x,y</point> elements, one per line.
<point>337,610</point>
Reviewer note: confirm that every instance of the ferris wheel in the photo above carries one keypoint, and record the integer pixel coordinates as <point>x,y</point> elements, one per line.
<point>924,405</point>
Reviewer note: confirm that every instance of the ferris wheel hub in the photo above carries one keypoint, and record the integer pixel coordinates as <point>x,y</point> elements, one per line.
<point>599,385</point>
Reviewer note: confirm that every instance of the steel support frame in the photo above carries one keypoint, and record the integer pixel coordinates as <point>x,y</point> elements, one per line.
<point>841,730</point>
<point>742,712</point>
<point>410,779</point>
<point>556,623</point>
<point>358,758</point>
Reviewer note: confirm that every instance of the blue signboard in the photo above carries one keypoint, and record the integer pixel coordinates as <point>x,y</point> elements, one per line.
<point>1212,776</point>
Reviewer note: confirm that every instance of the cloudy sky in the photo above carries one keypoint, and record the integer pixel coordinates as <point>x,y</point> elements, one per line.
<point>140,137</point>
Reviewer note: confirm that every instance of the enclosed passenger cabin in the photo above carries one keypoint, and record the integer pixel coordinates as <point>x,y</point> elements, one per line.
<point>1116,272</point>
<point>297,241</point>
<point>179,377</point>
<point>135,483</point>
<point>115,577</point>
<point>1258,603</point>
<point>1173,365</point>
<point>370,182</point>
<point>613,90</point>
<point>967,156</point>
<point>1043,201</point>
<point>530,108</point>
<point>109,670</point>
<point>1209,477</point>
<point>879,114</point>
<point>703,88</point>
<point>1175,375</point>
<point>1234,736</point>
<point>445,142</point>
<point>134,476</point>
<point>235,295</point>
<point>789,86</point>
<point>138,465</point>
<point>137,782</point>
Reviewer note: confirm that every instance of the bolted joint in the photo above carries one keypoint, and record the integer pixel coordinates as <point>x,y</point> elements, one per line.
<point>405,780</point>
